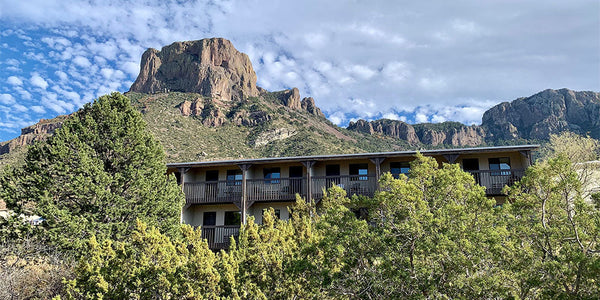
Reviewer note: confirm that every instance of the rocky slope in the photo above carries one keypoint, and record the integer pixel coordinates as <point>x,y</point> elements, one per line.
<point>545,113</point>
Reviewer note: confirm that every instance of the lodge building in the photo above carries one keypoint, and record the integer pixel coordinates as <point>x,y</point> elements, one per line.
<point>220,195</point>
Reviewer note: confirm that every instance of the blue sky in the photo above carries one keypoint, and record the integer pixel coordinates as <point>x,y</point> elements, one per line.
<point>418,61</point>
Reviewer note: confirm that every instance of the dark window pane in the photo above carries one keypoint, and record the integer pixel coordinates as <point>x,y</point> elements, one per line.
<point>272,173</point>
<point>470,164</point>
<point>499,163</point>
<point>209,218</point>
<point>358,169</point>
<point>233,218</point>
<point>397,168</point>
<point>212,175</point>
<point>234,177</point>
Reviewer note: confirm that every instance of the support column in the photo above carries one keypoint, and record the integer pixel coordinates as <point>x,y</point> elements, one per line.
<point>182,172</point>
<point>309,165</point>
<point>244,200</point>
<point>377,161</point>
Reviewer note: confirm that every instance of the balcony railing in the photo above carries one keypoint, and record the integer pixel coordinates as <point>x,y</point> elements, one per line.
<point>285,189</point>
<point>276,189</point>
<point>364,185</point>
<point>219,237</point>
<point>495,180</point>
<point>207,192</point>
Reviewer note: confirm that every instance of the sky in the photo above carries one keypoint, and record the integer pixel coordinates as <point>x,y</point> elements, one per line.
<point>415,61</point>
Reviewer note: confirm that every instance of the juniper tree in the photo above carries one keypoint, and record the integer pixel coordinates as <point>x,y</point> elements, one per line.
<point>96,175</point>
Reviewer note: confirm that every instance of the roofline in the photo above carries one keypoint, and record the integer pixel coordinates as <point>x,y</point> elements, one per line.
<point>351,156</point>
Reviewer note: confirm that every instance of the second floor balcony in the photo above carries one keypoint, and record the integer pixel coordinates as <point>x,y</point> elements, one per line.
<point>286,189</point>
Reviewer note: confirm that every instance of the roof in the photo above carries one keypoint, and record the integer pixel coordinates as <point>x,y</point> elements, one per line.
<point>353,156</point>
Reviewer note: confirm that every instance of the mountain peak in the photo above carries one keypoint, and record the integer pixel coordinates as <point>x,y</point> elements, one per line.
<point>210,67</point>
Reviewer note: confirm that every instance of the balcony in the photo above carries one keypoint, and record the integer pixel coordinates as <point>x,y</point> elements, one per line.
<point>495,180</point>
<point>285,189</point>
<point>219,237</point>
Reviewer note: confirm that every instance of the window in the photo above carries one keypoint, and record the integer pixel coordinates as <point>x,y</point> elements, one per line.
<point>500,163</point>
<point>359,172</point>
<point>212,175</point>
<point>233,218</point>
<point>272,173</point>
<point>397,168</point>
<point>209,218</point>
<point>333,174</point>
<point>470,164</point>
<point>234,177</point>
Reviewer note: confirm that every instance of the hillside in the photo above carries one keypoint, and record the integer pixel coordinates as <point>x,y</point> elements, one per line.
<point>201,101</point>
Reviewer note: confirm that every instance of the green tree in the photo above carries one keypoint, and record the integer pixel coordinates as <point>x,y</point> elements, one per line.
<point>558,230</point>
<point>99,173</point>
<point>147,265</point>
<point>441,234</point>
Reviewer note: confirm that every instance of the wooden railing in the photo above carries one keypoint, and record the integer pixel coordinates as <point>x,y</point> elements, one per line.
<point>212,192</point>
<point>276,189</point>
<point>285,189</point>
<point>219,237</point>
<point>495,180</point>
<point>364,185</point>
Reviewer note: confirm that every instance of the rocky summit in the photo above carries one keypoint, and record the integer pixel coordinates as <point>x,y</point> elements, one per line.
<point>209,67</point>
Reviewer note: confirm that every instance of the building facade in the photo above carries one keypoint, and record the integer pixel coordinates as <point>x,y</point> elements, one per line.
<point>221,195</point>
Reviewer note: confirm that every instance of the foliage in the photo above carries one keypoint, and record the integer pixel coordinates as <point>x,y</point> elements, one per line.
<point>558,230</point>
<point>147,265</point>
<point>441,234</point>
<point>99,173</point>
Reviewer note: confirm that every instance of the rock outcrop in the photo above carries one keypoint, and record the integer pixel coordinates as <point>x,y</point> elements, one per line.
<point>308,104</point>
<point>450,133</point>
<point>37,132</point>
<point>545,113</point>
<point>447,133</point>
<point>392,128</point>
<point>210,67</point>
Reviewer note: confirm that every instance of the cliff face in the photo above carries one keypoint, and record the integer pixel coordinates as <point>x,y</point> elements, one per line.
<point>545,113</point>
<point>532,118</point>
<point>447,133</point>
<point>210,67</point>
<point>31,134</point>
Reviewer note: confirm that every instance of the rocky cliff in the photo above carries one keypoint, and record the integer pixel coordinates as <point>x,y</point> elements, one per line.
<point>531,118</point>
<point>545,113</point>
<point>209,67</point>
<point>447,133</point>
<point>31,134</point>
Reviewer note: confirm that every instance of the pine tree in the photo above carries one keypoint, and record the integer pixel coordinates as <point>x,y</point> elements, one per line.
<point>100,172</point>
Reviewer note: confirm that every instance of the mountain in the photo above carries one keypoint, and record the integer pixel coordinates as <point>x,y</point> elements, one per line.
<point>201,101</point>
<point>532,118</point>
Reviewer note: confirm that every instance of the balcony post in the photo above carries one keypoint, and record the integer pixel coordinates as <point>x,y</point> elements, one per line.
<point>244,200</point>
<point>309,165</point>
<point>182,172</point>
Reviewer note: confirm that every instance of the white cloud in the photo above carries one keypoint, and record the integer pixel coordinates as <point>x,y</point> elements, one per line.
<point>393,116</point>
<point>421,118</point>
<point>38,109</point>
<point>20,108</point>
<point>14,80</point>
<point>82,62</point>
<point>131,68</point>
<point>61,75</point>
<point>37,81</point>
<point>7,99</point>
